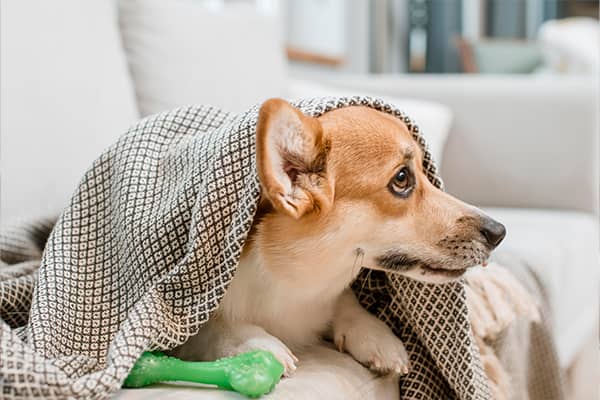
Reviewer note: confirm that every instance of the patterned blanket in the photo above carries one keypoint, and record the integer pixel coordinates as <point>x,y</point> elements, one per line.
<point>147,246</point>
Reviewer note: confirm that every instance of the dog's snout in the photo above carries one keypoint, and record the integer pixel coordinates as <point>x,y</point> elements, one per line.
<point>492,230</point>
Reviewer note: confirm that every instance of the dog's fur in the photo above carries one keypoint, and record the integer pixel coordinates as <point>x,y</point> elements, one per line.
<point>335,201</point>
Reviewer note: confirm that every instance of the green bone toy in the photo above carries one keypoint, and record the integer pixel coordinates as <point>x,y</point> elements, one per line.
<point>252,374</point>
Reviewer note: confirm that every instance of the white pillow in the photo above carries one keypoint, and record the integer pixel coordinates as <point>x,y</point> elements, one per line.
<point>183,52</point>
<point>66,95</point>
<point>571,45</point>
<point>434,119</point>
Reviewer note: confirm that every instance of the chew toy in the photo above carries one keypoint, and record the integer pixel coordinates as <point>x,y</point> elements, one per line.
<point>252,374</point>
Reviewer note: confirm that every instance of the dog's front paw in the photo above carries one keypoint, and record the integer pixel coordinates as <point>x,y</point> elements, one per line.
<point>270,343</point>
<point>372,343</point>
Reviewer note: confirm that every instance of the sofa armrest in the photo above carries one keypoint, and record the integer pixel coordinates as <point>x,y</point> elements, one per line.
<point>516,141</point>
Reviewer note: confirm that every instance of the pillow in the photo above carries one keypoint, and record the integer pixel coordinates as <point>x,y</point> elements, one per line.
<point>434,119</point>
<point>66,95</point>
<point>571,45</point>
<point>184,52</point>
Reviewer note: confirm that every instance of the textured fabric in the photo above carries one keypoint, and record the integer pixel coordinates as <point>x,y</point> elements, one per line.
<point>534,369</point>
<point>151,239</point>
<point>21,247</point>
<point>433,323</point>
<point>561,247</point>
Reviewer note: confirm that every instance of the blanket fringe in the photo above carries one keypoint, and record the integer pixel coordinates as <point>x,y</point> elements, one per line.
<point>495,299</point>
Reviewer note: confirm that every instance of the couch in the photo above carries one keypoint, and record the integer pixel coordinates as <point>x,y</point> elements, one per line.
<point>75,75</point>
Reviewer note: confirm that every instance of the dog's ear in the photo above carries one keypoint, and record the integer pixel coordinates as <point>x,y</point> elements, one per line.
<point>291,153</point>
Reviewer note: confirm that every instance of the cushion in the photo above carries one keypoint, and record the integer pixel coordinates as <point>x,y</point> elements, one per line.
<point>562,248</point>
<point>434,119</point>
<point>184,52</point>
<point>571,45</point>
<point>66,95</point>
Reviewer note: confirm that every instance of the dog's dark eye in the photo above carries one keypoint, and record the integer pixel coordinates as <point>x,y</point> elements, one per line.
<point>402,183</point>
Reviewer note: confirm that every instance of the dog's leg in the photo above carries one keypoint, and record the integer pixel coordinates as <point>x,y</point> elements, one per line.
<point>369,340</point>
<point>218,338</point>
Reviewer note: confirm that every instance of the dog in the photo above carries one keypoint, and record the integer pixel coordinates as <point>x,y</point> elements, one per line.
<point>346,186</point>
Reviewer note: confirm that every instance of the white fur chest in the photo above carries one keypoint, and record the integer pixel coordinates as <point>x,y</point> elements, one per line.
<point>292,310</point>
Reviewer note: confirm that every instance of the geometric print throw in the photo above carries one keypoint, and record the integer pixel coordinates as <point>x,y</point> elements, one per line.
<point>147,246</point>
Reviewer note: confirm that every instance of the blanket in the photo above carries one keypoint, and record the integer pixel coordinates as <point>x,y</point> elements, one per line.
<point>147,246</point>
<point>511,320</point>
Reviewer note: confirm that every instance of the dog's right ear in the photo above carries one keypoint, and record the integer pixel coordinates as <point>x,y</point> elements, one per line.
<point>291,154</point>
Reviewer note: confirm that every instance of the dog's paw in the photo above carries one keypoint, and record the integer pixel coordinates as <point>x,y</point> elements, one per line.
<point>372,343</point>
<point>270,343</point>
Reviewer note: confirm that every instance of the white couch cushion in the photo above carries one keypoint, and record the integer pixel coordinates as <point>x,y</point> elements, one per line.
<point>434,119</point>
<point>66,95</point>
<point>562,247</point>
<point>182,52</point>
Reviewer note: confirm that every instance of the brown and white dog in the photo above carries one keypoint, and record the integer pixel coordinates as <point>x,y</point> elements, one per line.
<point>346,183</point>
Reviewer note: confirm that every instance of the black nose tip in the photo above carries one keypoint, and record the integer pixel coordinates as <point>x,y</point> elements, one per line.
<point>493,231</point>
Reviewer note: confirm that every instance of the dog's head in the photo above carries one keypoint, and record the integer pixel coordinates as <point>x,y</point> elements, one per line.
<point>348,189</point>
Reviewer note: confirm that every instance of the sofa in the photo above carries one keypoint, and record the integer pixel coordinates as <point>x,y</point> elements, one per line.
<point>75,75</point>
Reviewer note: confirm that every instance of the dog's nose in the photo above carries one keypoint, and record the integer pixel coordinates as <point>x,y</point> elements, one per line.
<point>492,230</point>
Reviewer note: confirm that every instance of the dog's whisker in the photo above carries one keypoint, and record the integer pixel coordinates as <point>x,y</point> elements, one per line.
<point>353,266</point>
<point>359,253</point>
<point>367,277</point>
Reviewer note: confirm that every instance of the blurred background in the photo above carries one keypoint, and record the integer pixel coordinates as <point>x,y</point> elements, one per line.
<point>505,91</point>
<point>443,36</point>
<point>75,74</point>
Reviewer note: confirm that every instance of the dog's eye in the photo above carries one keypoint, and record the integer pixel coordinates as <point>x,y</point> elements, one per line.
<point>402,183</point>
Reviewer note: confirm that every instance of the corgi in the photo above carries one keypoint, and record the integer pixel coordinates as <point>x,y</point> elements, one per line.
<point>347,183</point>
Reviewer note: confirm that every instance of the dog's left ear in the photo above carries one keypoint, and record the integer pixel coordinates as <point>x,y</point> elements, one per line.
<point>291,153</point>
